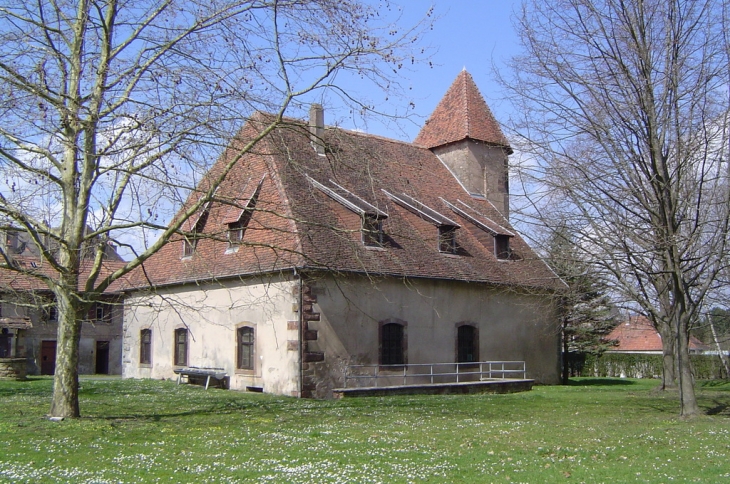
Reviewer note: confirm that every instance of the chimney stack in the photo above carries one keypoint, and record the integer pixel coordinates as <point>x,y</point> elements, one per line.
<point>316,127</point>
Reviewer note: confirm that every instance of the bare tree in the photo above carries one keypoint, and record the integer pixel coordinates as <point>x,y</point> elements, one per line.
<point>112,111</point>
<point>625,106</point>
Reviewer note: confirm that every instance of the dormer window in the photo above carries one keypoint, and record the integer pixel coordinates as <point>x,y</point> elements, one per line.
<point>371,217</point>
<point>189,245</point>
<point>238,228</point>
<point>372,230</point>
<point>499,234</point>
<point>447,239</point>
<point>501,246</point>
<point>446,227</point>
<point>196,226</point>
<point>239,215</point>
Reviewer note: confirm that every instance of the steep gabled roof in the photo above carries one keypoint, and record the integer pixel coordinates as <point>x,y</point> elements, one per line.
<point>297,224</point>
<point>462,113</point>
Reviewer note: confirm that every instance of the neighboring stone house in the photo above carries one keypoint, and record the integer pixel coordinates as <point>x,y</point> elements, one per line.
<point>326,248</point>
<point>28,325</point>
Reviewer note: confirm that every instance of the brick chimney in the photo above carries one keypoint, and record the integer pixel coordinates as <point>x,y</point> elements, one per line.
<point>316,127</point>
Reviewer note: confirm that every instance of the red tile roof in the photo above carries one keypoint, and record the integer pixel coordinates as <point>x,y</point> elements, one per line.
<point>639,334</point>
<point>297,225</point>
<point>33,270</point>
<point>461,114</point>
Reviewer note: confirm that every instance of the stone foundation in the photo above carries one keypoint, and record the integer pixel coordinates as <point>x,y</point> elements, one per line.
<point>13,368</point>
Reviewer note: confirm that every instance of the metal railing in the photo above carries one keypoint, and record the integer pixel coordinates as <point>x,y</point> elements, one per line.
<point>359,376</point>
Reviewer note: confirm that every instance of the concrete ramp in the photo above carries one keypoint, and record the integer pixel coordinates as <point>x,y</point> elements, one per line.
<point>488,386</point>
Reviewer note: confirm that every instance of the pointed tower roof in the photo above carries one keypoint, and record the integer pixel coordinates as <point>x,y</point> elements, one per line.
<point>462,113</point>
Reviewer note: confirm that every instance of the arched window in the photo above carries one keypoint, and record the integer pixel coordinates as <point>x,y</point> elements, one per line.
<point>392,347</point>
<point>145,347</point>
<point>245,348</point>
<point>467,344</point>
<point>181,347</point>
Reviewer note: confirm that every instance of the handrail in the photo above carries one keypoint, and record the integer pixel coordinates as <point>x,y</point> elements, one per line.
<point>460,372</point>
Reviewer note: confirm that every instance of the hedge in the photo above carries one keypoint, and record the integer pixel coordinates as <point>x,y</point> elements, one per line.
<point>705,367</point>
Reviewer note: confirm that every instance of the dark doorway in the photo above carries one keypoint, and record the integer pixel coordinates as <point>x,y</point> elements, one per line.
<point>48,357</point>
<point>6,343</point>
<point>102,357</point>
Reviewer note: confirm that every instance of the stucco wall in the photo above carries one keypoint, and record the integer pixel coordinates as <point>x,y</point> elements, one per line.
<point>212,313</point>
<point>511,325</point>
<point>481,169</point>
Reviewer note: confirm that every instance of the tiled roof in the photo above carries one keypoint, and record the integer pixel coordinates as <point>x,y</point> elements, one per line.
<point>461,114</point>
<point>639,334</point>
<point>30,277</point>
<point>298,225</point>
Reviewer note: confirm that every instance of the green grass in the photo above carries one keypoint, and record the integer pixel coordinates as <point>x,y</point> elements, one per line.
<point>595,430</point>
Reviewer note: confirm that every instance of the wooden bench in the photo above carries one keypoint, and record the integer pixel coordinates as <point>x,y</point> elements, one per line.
<point>207,373</point>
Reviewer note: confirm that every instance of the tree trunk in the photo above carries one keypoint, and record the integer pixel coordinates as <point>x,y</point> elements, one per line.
<point>566,369</point>
<point>669,363</point>
<point>65,400</point>
<point>720,353</point>
<point>688,400</point>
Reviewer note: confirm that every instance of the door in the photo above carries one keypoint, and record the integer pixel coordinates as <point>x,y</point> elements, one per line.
<point>48,357</point>
<point>102,357</point>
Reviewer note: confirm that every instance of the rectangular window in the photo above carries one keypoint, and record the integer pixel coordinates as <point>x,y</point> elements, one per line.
<point>501,246</point>
<point>235,233</point>
<point>181,347</point>
<point>53,313</point>
<point>189,246</point>
<point>372,231</point>
<point>102,313</point>
<point>467,344</point>
<point>245,336</point>
<point>447,239</point>
<point>238,228</point>
<point>145,347</point>
<point>391,344</point>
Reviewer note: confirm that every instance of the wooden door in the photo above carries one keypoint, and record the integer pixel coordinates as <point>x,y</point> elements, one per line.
<point>48,357</point>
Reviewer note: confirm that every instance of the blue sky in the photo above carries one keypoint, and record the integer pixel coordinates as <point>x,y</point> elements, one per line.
<point>471,34</point>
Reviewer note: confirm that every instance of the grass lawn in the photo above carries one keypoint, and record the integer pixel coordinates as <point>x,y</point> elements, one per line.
<point>602,430</point>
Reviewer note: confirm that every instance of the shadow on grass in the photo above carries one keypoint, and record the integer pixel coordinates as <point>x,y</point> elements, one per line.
<point>720,408</point>
<point>715,384</point>
<point>604,382</point>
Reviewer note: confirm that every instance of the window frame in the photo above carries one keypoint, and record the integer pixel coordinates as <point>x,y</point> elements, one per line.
<point>145,347</point>
<point>371,230</point>
<point>462,345</point>
<point>101,312</point>
<point>189,246</point>
<point>447,239</point>
<point>177,344</point>
<point>242,365</point>
<point>501,247</point>
<point>387,356</point>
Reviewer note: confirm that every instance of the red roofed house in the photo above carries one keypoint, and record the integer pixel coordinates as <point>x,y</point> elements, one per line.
<point>326,248</point>
<point>28,325</point>
<point>638,335</point>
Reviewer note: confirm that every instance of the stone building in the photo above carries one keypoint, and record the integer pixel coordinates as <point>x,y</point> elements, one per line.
<point>325,248</point>
<point>28,325</point>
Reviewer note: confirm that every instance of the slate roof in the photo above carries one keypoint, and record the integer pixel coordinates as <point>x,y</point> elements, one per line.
<point>638,334</point>
<point>295,224</point>
<point>462,113</point>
